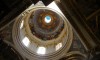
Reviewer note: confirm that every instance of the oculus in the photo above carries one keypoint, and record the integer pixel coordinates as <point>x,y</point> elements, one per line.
<point>46,24</point>
<point>47,19</point>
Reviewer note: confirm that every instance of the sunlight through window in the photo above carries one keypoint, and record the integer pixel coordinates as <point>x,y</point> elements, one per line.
<point>21,25</point>
<point>41,50</point>
<point>26,41</point>
<point>58,46</point>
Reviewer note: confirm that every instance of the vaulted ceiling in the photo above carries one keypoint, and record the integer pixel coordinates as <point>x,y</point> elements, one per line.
<point>84,16</point>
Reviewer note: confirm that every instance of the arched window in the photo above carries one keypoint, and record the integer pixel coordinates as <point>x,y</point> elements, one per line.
<point>26,41</point>
<point>58,46</point>
<point>41,50</point>
<point>21,25</point>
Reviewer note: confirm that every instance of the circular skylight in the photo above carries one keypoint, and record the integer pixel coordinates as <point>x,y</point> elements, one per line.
<point>47,19</point>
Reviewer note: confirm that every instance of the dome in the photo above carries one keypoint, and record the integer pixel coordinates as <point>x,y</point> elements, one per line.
<point>46,24</point>
<point>42,33</point>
